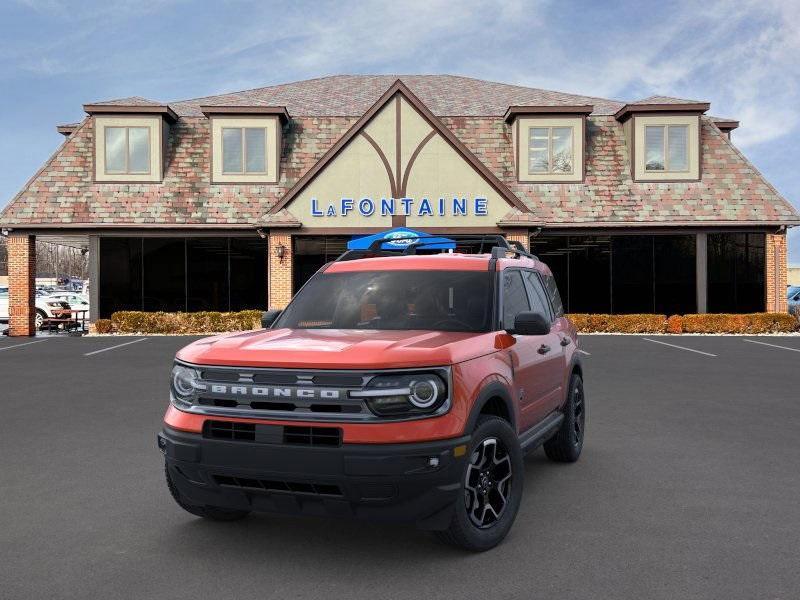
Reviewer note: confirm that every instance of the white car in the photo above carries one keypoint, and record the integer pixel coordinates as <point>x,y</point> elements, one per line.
<point>76,301</point>
<point>46,307</point>
<point>3,304</point>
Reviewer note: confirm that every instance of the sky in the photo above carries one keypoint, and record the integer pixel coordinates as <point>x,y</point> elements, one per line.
<point>739,55</point>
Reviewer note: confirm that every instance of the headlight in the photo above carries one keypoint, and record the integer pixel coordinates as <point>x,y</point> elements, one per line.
<point>185,382</point>
<point>404,394</point>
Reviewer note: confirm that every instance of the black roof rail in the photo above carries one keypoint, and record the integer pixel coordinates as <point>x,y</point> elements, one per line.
<point>491,242</point>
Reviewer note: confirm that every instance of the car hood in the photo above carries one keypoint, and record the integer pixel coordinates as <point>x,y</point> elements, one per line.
<point>339,348</point>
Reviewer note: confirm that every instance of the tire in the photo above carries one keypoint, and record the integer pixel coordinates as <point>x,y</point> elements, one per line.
<point>214,513</point>
<point>493,442</point>
<point>567,443</point>
<point>39,318</point>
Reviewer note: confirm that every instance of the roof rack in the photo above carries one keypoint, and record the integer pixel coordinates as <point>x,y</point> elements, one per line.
<point>497,245</point>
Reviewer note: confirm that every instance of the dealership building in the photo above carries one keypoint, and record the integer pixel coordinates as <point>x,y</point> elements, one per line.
<point>233,201</point>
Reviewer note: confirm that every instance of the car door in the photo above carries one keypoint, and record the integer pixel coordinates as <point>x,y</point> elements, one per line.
<point>555,358</point>
<point>528,359</point>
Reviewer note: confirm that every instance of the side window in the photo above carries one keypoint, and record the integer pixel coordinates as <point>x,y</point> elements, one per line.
<point>515,299</point>
<point>537,294</point>
<point>555,297</point>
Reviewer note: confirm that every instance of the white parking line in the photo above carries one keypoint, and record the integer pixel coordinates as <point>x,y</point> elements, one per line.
<point>680,347</point>
<point>113,347</point>
<point>20,345</point>
<point>771,345</point>
<point>584,352</point>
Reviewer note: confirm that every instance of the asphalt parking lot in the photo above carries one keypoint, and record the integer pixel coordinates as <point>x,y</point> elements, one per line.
<point>688,488</point>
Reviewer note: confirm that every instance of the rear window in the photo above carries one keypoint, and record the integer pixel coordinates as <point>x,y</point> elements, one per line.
<point>393,300</point>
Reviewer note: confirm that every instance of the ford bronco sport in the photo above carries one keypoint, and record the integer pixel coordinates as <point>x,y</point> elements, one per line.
<point>393,387</point>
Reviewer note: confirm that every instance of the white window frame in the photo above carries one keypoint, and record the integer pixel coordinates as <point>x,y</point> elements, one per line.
<point>127,129</point>
<point>550,170</point>
<point>520,133</point>
<point>272,140</point>
<point>243,129</point>
<point>665,148</point>
<point>635,134</point>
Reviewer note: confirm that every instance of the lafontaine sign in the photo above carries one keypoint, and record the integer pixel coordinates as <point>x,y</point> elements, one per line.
<point>420,207</point>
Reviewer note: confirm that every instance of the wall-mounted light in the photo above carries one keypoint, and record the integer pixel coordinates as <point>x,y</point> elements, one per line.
<point>280,252</point>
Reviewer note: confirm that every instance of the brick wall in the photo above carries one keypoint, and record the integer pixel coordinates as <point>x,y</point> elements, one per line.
<point>520,236</point>
<point>280,271</point>
<point>776,273</point>
<point>21,284</point>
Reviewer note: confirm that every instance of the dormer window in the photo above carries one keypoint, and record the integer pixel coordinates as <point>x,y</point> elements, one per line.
<point>129,140</point>
<point>245,143</point>
<point>666,148</point>
<point>550,150</point>
<point>127,150</point>
<point>244,150</point>
<point>548,142</point>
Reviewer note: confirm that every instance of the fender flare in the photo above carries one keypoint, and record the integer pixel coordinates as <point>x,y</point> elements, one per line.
<point>495,389</point>
<point>575,364</point>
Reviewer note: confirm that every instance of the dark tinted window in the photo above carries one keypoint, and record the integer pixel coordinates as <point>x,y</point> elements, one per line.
<point>248,273</point>
<point>537,295</point>
<point>555,297</point>
<point>120,275</point>
<point>207,274</point>
<point>515,299</point>
<point>396,300</point>
<point>736,272</point>
<point>675,268</point>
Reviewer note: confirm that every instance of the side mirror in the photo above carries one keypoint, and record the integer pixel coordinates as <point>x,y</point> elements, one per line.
<point>268,318</point>
<point>531,323</point>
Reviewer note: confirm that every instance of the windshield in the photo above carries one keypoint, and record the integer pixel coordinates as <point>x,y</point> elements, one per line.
<point>431,300</point>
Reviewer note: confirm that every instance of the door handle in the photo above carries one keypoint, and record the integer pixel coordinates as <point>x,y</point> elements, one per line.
<point>565,341</point>
<point>543,349</point>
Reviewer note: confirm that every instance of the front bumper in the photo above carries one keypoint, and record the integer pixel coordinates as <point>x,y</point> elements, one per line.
<point>413,483</point>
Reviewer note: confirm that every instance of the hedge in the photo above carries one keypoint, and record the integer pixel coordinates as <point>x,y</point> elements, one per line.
<point>216,322</point>
<point>197,322</point>
<point>706,323</point>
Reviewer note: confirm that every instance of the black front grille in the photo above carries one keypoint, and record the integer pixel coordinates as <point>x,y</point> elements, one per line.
<point>312,436</point>
<point>288,487</point>
<point>229,430</point>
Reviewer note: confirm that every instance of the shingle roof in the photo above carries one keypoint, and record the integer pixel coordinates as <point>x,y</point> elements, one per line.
<point>665,100</point>
<point>352,95</point>
<point>63,193</point>
<point>130,101</point>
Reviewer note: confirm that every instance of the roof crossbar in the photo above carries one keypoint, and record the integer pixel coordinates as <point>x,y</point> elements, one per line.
<point>494,243</point>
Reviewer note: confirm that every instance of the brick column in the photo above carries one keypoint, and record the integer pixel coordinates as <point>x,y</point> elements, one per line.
<point>21,284</point>
<point>521,236</point>
<point>775,273</point>
<point>280,270</point>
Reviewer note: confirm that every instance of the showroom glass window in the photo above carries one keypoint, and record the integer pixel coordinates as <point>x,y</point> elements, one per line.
<point>182,274</point>
<point>127,150</point>
<point>622,274</point>
<point>666,148</point>
<point>736,272</point>
<point>550,150</point>
<point>244,150</point>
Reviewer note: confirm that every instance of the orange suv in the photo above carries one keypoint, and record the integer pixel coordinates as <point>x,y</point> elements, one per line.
<point>395,386</point>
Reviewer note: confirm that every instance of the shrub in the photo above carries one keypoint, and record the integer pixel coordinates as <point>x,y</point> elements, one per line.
<point>675,324</point>
<point>746,323</point>
<point>103,326</point>
<point>619,323</point>
<point>706,323</point>
<point>197,322</point>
